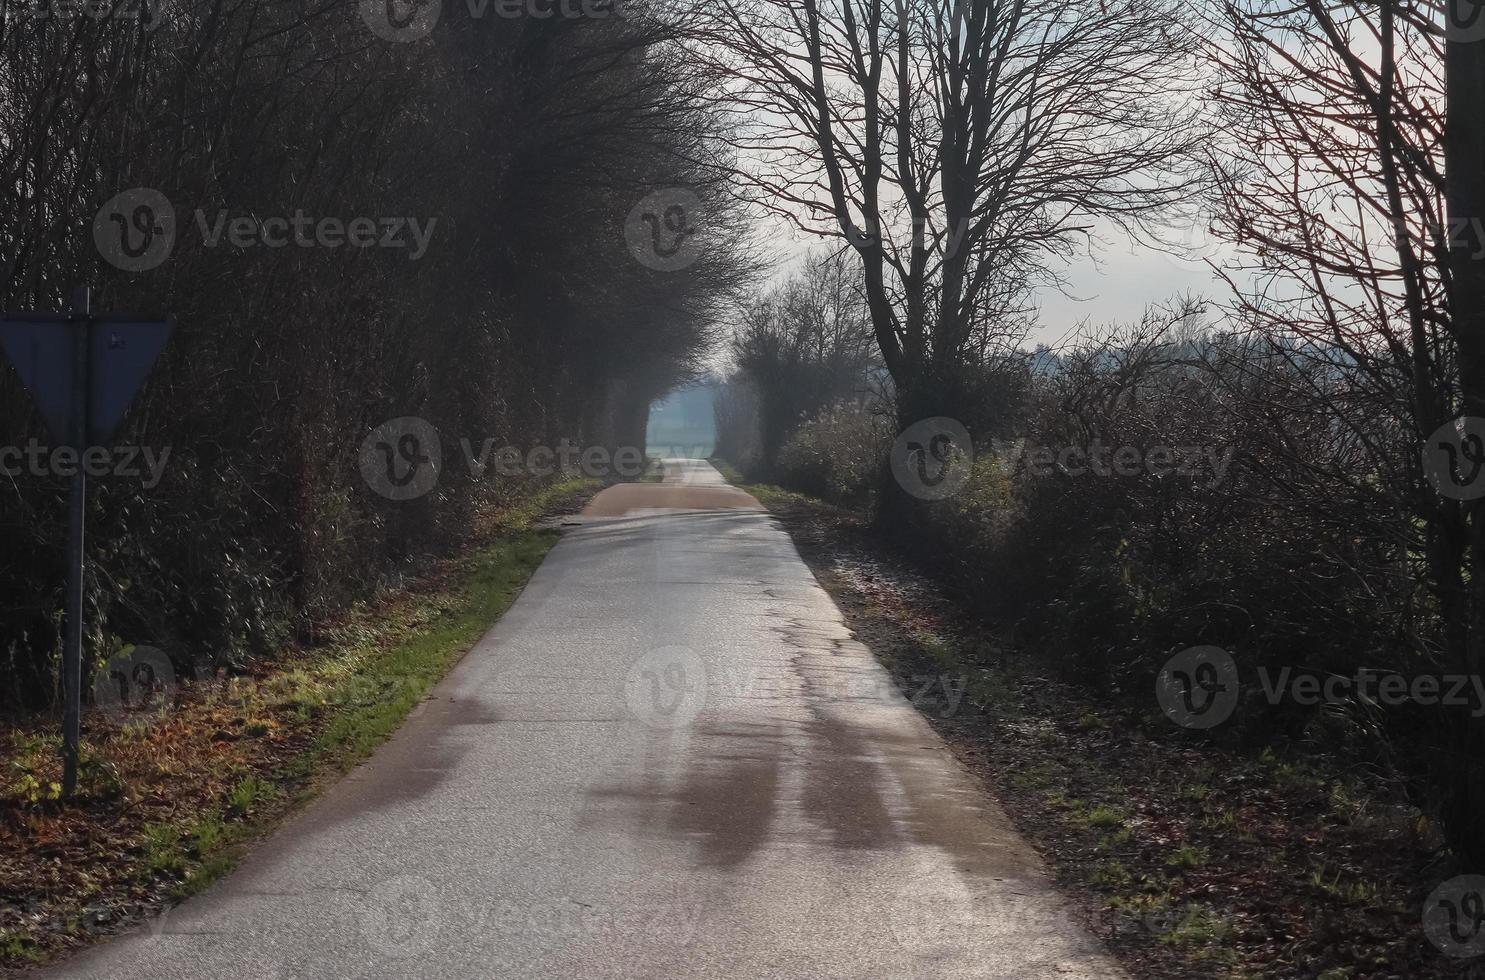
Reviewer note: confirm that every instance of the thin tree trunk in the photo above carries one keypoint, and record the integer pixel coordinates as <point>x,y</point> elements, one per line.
<point>1465,191</point>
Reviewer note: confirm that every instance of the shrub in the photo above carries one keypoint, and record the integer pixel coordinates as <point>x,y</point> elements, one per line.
<point>837,454</point>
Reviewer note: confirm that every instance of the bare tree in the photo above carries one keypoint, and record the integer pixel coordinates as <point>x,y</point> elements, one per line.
<point>803,346</point>
<point>527,320</point>
<point>1364,286</point>
<point>961,148</point>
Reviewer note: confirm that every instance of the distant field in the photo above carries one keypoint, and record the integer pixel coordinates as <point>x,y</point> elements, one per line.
<point>681,445</point>
<point>683,426</point>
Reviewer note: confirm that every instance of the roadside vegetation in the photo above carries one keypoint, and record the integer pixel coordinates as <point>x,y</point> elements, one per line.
<point>1213,509</point>
<point>1191,859</point>
<point>533,316</point>
<point>333,522</point>
<point>169,797</point>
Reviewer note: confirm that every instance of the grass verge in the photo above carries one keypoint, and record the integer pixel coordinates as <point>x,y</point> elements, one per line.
<point>167,802</point>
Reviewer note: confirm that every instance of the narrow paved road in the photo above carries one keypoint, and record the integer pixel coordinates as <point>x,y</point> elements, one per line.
<point>670,760</point>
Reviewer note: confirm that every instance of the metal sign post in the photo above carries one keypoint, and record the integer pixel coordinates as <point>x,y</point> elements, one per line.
<point>77,511</point>
<point>82,373</point>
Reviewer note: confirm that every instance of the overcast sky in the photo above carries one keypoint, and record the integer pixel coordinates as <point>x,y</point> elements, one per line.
<point>1125,280</point>
<point>1117,287</point>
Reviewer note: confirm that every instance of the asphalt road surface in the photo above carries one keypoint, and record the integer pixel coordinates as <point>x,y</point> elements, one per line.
<point>669,760</point>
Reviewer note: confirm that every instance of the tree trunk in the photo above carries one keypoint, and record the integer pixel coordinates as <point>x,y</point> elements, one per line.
<point>1465,189</point>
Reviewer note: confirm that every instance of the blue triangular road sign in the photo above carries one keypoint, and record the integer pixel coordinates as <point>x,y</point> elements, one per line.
<point>122,354</point>
<point>42,354</point>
